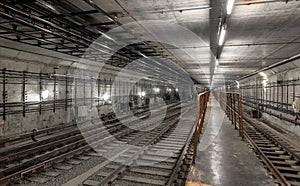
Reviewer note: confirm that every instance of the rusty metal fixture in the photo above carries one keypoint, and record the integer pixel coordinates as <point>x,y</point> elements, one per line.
<point>229,110</point>
<point>202,105</point>
<point>234,110</point>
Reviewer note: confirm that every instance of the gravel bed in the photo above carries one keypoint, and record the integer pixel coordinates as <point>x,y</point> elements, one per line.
<point>119,182</point>
<point>141,175</point>
<point>152,168</point>
<point>66,175</point>
<point>149,162</point>
<point>98,178</point>
<point>95,176</point>
<point>93,161</point>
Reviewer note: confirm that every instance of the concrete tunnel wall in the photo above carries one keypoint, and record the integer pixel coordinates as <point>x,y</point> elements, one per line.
<point>15,59</point>
<point>291,71</point>
<point>39,61</point>
<point>12,59</point>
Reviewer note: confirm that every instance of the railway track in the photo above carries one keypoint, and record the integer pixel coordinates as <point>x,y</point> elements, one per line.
<point>279,152</point>
<point>17,161</point>
<point>279,156</point>
<point>158,157</point>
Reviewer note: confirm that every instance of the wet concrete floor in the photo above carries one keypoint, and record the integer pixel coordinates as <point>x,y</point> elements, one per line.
<point>223,158</point>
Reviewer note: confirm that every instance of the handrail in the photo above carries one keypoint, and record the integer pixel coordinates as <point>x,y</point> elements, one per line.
<point>201,109</point>
<point>233,99</point>
<point>122,168</point>
<point>202,105</point>
<point>183,151</point>
<point>229,111</point>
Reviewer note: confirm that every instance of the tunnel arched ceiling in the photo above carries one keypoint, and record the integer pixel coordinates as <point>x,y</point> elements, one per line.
<point>259,32</point>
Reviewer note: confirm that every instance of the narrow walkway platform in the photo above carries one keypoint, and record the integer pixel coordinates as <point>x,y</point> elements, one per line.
<point>223,158</point>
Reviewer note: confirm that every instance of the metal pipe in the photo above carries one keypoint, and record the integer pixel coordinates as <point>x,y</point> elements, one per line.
<point>32,37</point>
<point>40,93</point>
<point>290,59</point>
<point>72,18</point>
<point>92,4</point>
<point>31,16</point>
<point>4,95</point>
<point>66,33</point>
<point>24,93</point>
<point>79,38</point>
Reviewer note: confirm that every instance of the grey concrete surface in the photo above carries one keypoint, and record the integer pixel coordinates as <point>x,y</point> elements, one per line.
<point>227,161</point>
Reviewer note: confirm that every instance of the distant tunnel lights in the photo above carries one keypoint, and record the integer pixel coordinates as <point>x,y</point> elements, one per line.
<point>230,4</point>
<point>222,36</point>
<point>142,94</point>
<point>105,97</point>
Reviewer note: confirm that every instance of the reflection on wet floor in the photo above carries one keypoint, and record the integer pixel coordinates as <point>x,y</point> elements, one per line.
<point>225,159</point>
<point>190,183</point>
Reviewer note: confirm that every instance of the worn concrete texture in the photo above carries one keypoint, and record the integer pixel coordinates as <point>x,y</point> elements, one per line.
<point>34,59</point>
<point>12,59</point>
<point>227,161</point>
<point>290,71</point>
<point>16,123</point>
<point>286,75</point>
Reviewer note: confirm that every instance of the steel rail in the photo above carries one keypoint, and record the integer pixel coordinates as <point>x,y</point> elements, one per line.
<point>66,34</point>
<point>178,163</point>
<point>267,162</point>
<point>113,175</point>
<point>296,156</point>
<point>66,153</point>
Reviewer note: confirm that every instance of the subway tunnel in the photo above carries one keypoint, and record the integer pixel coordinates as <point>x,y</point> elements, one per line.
<point>149,92</point>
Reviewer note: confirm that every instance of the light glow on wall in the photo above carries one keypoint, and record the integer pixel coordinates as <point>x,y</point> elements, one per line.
<point>105,97</point>
<point>142,94</point>
<point>45,94</point>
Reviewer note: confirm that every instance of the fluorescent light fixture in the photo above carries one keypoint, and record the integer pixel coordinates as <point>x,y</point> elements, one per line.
<point>216,65</point>
<point>222,36</point>
<point>230,4</point>
<point>237,84</point>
